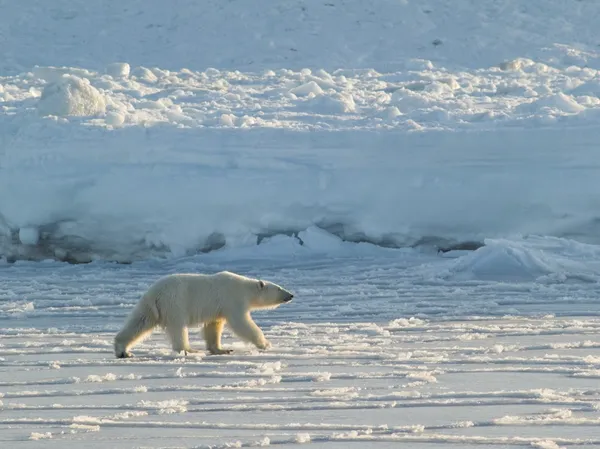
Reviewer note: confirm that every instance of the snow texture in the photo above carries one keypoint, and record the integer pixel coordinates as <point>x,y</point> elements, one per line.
<point>147,141</point>
<point>329,146</point>
<point>70,95</point>
<point>379,347</point>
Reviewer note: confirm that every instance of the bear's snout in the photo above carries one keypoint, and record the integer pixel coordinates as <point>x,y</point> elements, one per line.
<point>288,297</point>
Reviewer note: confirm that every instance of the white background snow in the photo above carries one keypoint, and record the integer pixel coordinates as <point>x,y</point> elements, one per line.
<point>330,146</point>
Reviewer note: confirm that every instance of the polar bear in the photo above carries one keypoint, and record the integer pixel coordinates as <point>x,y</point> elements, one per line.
<point>177,301</point>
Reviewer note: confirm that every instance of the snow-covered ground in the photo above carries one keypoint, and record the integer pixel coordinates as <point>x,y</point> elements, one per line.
<point>379,347</point>
<point>262,34</point>
<point>330,146</point>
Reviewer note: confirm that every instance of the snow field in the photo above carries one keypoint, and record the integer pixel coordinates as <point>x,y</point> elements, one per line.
<point>379,346</point>
<point>380,34</point>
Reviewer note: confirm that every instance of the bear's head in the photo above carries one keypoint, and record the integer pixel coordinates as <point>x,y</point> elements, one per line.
<point>270,295</point>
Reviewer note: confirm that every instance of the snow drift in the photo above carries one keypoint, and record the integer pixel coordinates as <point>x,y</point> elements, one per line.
<point>120,152</point>
<point>541,259</point>
<point>71,95</point>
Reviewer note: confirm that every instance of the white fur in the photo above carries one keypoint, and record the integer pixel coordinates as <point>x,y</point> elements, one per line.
<point>178,301</point>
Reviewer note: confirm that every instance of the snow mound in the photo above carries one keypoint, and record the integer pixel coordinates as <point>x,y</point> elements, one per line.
<point>29,235</point>
<point>310,88</point>
<point>118,69</point>
<point>338,103</point>
<point>546,259</point>
<point>498,260</point>
<point>71,96</point>
<point>40,436</point>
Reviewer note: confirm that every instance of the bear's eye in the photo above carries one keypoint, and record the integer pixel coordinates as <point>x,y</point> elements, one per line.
<point>261,284</point>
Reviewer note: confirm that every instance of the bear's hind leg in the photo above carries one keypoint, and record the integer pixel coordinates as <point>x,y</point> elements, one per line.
<point>245,328</point>
<point>212,335</point>
<point>179,339</point>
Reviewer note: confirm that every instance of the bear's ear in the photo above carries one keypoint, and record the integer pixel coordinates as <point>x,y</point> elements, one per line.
<point>261,284</point>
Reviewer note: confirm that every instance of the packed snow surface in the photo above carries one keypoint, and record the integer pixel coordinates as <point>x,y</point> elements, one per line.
<point>381,347</point>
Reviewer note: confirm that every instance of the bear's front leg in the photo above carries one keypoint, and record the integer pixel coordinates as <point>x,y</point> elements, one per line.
<point>245,328</point>
<point>212,336</point>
